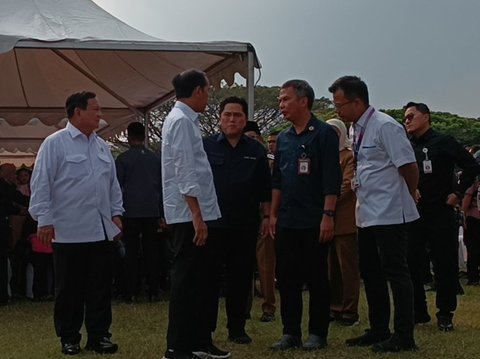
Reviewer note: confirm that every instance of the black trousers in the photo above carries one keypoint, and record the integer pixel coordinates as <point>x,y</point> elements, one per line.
<point>230,251</point>
<point>18,263</point>
<point>83,279</point>
<point>42,273</point>
<point>302,258</point>
<point>142,248</point>
<point>471,238</point>
<point>4,234</point>
<point>188,327</point>
<point>437,229</point>
<point>383,259</point>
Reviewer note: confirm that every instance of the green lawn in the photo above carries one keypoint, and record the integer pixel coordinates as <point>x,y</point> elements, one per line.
<point>26,331</point>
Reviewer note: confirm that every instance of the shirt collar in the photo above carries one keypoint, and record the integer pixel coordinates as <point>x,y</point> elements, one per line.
<point>363,118</point>
<point>308,128</point>
<point>187,110</point>
<point>75,132</point>
<point>138,146</point>
<point>221,137</point>
<point>423,137</point>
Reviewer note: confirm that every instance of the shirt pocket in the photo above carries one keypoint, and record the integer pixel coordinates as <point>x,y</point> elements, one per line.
<point>76,166</point>
<point>103,165</point>
<point>216,159</point>
<point>370,152</point>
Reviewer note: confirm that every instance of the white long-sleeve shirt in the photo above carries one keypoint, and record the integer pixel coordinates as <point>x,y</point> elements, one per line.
<point>185,168</point>
<point>75,188</point>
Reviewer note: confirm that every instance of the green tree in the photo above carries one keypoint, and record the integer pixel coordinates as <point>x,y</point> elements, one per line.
<point>465,130</point>
<point>266,113</point>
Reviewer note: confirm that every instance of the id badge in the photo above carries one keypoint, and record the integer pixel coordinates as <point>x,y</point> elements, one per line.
<point>303,166</point>
<point>427,166</point>
<point>355,182</point>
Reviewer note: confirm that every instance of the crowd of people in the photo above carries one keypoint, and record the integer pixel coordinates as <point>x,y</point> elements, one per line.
<point>316,209</point>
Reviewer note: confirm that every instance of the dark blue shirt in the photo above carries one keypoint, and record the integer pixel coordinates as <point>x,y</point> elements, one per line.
<point>302,196</point>
<point>242,180</point>
<point>138,174</point>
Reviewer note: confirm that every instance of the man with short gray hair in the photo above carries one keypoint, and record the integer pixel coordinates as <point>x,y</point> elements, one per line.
<point>306,181</point>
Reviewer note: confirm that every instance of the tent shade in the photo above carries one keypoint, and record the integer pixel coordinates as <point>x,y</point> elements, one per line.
<point>50,49</point>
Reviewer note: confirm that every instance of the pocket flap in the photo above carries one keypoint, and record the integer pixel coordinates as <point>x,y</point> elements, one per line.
<point>75,158</point>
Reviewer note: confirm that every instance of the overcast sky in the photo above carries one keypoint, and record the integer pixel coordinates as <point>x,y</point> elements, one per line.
<point>420,50</point>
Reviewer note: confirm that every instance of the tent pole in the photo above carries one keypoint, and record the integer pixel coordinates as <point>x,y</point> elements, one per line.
<point>250,84</point>
<point>146,122</point>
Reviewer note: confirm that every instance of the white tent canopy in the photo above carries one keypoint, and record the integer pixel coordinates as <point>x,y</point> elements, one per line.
<point>52,48</point>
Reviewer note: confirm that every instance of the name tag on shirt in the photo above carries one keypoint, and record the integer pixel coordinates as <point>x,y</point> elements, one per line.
<point>304,166</point>
<point>427,166</point>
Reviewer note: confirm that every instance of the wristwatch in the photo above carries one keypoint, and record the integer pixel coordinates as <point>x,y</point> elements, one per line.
<point>329,212</point>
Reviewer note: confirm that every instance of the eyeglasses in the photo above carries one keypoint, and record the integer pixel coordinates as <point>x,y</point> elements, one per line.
<point>409,117</point>
<point>338,106</point>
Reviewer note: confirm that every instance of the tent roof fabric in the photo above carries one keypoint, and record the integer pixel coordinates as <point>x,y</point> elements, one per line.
<point>52,48</point>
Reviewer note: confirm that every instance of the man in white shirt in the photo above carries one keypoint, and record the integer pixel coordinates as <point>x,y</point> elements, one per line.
<point>385,180</point>
<point>77,202</point>
<point>189,201</point>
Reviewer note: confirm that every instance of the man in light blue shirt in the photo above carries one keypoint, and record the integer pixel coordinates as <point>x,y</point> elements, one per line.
<point>77,202</point>
<point>189,201</point>
<point>385,179</point>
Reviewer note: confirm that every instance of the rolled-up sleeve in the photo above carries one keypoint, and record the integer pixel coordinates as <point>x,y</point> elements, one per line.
<point>182,138</point>
<point>331,171</point>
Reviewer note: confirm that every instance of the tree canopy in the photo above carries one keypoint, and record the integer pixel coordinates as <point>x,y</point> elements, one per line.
<point>465,130</point>
<point>268,116</point>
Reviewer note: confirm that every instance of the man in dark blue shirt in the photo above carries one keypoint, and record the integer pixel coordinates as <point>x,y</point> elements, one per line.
<point>138,172</point>
<point>242,183</point>
<point>306,181</point>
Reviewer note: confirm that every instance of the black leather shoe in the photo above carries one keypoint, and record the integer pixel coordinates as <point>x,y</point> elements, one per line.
<point>348,322</point>
<point>70,348</point>
<point>367,339</point>
<point>267,317</point>
<point>444,323</point>
<point>287,342</point>
<point>239,338</point>
<point>395,344</point>
<point>212,352</point>
<point>102,346</point>
<point>175,354</point>
<point>314,342</point>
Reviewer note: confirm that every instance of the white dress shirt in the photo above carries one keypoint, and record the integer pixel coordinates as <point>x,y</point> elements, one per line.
<point>185,168</point>
<point>382,197</point>
<point>75,188</point>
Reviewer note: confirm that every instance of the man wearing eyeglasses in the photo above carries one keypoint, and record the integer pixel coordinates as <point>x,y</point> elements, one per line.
<point>438,193</point>
<point>385,180</point>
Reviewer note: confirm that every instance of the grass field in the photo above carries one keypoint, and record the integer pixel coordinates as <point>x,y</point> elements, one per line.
<point>26,331</point>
